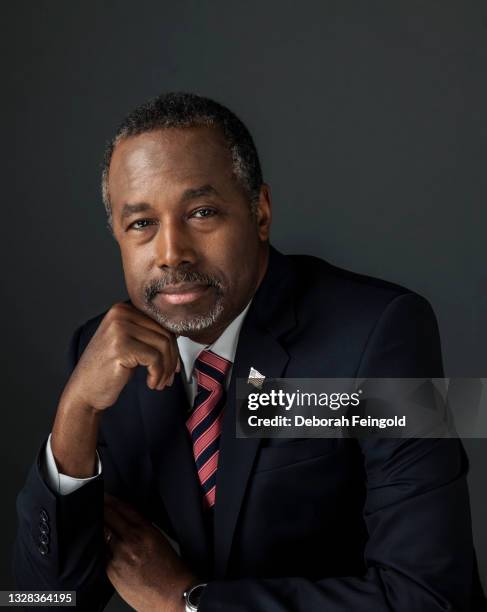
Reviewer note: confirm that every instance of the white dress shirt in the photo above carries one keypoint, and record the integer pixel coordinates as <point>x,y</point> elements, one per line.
<point>225,346</point>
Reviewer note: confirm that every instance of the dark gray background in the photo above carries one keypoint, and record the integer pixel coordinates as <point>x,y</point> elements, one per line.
<point>370,118</point>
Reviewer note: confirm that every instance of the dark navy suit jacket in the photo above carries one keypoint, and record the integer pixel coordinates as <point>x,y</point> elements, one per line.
<point>339,525</point>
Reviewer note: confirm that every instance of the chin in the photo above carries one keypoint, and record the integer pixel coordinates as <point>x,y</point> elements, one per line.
<point>190,323</point>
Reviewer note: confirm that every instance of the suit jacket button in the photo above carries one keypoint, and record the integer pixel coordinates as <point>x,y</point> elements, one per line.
<point>44,516</point>
<point>43,549</point>
<point>44,538</point>
<point>44,527</point>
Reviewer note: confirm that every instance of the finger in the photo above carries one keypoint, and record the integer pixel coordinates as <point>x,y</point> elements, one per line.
<point>112,544</point>
<point>125,510</point>
<point>113,575</point>
<point>142,320</point>
<point>165,346</point>
<point>167,377</point>
<point>155,338</point>
<point>118,526</point>
<point>137,353</point>
<point>107,534</point>
<point>139,318</point>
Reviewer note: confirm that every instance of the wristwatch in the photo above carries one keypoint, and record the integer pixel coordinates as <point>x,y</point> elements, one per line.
<point>192,597</point>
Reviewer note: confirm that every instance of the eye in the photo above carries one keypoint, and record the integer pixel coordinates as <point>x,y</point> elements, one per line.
<point>141,224</point>
<point>202,213</point>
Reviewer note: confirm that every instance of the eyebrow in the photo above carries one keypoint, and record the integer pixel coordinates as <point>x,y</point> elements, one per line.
<point>192,193</point>
<point>132,209</point>
<point>199,192</point>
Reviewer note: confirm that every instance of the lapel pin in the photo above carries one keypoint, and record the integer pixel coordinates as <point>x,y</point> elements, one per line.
<point>255,378</point>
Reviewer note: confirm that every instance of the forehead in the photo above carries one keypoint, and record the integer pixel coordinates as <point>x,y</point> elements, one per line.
<point>171,157</point>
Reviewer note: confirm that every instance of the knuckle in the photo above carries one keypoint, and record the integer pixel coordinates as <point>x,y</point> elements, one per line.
<point>116,342</point>
<point>115,346</point>
<point>117,327</point>
<point>113,312</point>
<point>117,310</point>
<point>134,558</point>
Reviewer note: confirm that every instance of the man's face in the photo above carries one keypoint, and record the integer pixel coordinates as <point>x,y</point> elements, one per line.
<point>192,251</point>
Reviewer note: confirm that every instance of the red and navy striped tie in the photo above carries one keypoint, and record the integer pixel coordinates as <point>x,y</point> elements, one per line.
<point>205,423</point>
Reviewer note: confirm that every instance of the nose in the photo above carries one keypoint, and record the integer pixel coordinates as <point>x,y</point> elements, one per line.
<point>173,246</point>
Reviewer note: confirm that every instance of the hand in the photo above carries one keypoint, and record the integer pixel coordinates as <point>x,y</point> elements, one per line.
<point>142,565</point>
<point>125,339</point>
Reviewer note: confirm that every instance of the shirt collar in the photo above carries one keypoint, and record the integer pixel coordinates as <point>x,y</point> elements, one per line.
<point>225,345</point>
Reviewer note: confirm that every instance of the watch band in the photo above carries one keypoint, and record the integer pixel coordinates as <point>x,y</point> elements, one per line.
<point>192,597</point>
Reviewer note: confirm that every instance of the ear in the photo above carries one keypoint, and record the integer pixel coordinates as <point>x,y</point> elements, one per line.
<point>264,213</point>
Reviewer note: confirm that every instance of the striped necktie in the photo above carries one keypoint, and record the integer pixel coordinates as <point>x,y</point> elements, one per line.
<point>204,424</point>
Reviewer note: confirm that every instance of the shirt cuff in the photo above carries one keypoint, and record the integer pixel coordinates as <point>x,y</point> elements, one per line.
<point>60,483</point>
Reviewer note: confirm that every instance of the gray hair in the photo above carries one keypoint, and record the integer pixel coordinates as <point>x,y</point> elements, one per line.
<point>186,110</point>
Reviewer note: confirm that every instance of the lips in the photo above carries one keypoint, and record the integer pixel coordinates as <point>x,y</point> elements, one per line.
<point>183,293</point>
<point>183,288</point>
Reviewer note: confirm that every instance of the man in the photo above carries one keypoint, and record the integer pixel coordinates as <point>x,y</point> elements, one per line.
<point>262,525</point>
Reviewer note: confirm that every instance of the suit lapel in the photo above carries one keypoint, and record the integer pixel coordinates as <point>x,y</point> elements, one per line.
<point>270,316</point>
<point>163,415</point>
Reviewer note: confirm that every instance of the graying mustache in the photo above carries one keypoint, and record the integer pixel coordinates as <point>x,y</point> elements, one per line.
<point>180,277</point>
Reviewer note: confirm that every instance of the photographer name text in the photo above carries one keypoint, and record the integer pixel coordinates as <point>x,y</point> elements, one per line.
<point>300,421</point>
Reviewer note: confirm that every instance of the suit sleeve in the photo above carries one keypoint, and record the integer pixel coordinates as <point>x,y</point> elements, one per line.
<point>59,543</point>
<point>419,555</point>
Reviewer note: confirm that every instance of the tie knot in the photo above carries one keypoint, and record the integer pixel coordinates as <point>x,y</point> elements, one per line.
<point>211,364</point>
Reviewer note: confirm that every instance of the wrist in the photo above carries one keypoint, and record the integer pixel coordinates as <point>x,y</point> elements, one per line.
<point>74,437</point>
<point>72,402</point>
<point>174,600</point>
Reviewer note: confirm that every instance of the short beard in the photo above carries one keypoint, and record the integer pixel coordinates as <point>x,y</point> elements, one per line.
<point>196,323</point>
